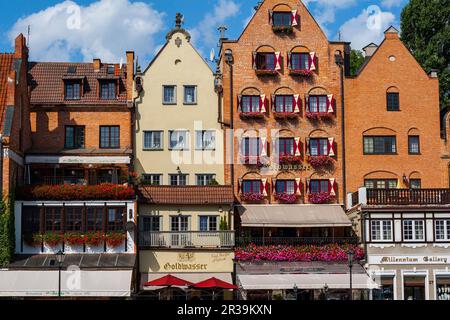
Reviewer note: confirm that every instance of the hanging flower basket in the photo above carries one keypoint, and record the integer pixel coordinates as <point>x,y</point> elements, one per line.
<point>114,239</point>
<point>289,159</point>
<point>93,239</point>
<point>288,198</point>
<point>321,161</point>
<point>252,197</point>
<point>74,238</point>
<point>321,198</point>
<point>52,238</point>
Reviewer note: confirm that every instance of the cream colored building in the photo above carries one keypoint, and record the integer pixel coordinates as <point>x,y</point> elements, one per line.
<point>177,102</point>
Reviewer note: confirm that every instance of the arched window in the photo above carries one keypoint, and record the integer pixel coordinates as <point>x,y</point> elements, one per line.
<point>266,60</point>
<point>393,99</point>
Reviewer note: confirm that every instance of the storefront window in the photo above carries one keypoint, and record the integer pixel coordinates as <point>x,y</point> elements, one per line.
<point>443,287</point>
<point>386,290</point>
<point>414,288</point>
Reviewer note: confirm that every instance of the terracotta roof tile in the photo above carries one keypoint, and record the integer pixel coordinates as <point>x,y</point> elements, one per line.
<point>186,194</point>
<point>47,79</point>
<point>6,61</point>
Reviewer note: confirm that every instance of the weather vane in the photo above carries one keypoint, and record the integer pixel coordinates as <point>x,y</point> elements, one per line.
<point>178,20</point>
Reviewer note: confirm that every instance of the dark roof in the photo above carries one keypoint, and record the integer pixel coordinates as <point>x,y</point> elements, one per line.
<point>6,61</point>
<point>83,261</point>
<point>47,79</point>
<point>186,194</point>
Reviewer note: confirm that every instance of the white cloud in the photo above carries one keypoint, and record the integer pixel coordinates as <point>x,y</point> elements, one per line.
<point>367,27</point>
<point>206,30</point>
<point>105,29</point>
<point>391,3</point>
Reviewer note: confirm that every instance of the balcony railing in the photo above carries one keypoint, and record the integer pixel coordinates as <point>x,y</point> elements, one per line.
<point>60,180</point>
<point>295,241</point>
<point>187,239</point>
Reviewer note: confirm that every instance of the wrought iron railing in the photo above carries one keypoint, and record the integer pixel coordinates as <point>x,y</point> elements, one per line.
<point>244,241</point>
<point>408,196</point>
<point>187,239</point>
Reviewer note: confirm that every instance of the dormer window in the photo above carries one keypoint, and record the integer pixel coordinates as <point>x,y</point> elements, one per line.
<point>111,69</point>
<point>108,90</point>
<point>72,90</point>
<point>282,19</point>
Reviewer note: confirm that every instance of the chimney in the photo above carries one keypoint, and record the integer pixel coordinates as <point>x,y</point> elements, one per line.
<point>433,73</point>
<point>97,65</point>
<point>391,33</point>
<point>20,47</point>
<point>130,74</point>
<point>370,49</point>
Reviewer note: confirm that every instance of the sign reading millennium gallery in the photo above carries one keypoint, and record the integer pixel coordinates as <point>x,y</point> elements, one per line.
<point>409,259</point>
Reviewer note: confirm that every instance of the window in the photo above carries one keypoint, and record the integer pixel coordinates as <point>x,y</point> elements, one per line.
<point>153,140</point>
<point>318,104</point>
<point>442,230</point>
<point>169,95</point>
<point>152,179</point>
<point>285,146</point>
<point>380,183</point>
<point>179,140</point>
<point>208,223</point>
<point>72,90</point>
<point>179,223</point>
<point>413,145</point>
<point>319,186</point>
<point>318,147</point>
<point>285,186</point>
<point>115,218</point>
<point>74,137</point>
<point>151,224</point>
<point>282,19</point>
<point>205,179</point>
<point>73,218</point>
<point>109,137</point>
<point>284,103</point>
<point>265,61</point>
<point>251,147</point>
<point>415,183</point>
<point>393,103</point>
<point>380,145</point>
<point>94,219</point>
<point>31,217</point>
<point>381,230</point>
<point>300,61</point>
<point>107,90</point>
<point>178,179</point>
<point>250,103</point>
<point>190,94</point>
<point>205,140</point>
<point>413,230</point>
<point>251,186</point>
<point>53,218</point>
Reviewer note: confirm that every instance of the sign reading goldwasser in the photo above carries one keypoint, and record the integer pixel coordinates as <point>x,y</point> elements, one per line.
<point>409,259</point>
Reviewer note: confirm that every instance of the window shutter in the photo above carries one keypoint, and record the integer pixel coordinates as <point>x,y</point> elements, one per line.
<point>289,63</point>
<point>264,187</point>
<point>294,18</point>
<point>300,147</point>
<point>297,188</point>
<point>312,61</point>
<point>277,61</point>
<point>262,103</point>
<point>254,60</point>
<point>263,146</point>
<point>307,146</point>
<point>331,149</point>
<point>297,151</point>
<point>330,103</point>
<point>270,17</point>
<point>332,186</point>
<point>297,103</point>
<point>274,186</point>
<point>273,102</point>
<point>307,185</point>
<point>239,185</point>
<point>239,106</point>
<point>307,103</point>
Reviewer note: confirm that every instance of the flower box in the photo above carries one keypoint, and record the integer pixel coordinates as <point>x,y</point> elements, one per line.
<point>315,116</point>
<point>263,72</point>
<point>114,239</point>
<point>52,239</point>
<point>321,198</point>
<point>303,73</point>
<point>289,159</point>
<point>321,161</point>
<point>252,197</point>
<point>283,29</point>
<point>74,238</point>
<point>301,253</point>
<point>251,160</point>
<point>32,240</point>
<point>286,197</point>
<point>285,115</point>
<point>251,115</point>
<point>94,239</point>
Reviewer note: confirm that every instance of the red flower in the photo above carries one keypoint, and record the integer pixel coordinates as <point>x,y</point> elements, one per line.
<point>320,198</point>
<point>252,197</point>
<point>289,159</point>
<point>93,238</point>
<point>321,161</point>
<point>74,238</point>
<point>114,239</point>
<point>286,197</point>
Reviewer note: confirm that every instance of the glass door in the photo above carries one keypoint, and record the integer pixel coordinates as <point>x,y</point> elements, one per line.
<point>179,226</point>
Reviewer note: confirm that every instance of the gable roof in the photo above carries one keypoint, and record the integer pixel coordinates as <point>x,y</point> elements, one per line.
<point>47,79</point>
<point>6,64</point>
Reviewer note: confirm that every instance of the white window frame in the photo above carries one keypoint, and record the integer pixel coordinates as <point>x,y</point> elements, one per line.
<point>185,144</point>
<point>174,94</point>
<point>446,234</point>
<point>203,175</point>
<point>161,132</point>
<point>382,231</point>
<point>200,143</point>
<point>178,179</point>
<point>184,94</point>
<point>209,218</point>
<point>414,226</point>
<point>152,175</point>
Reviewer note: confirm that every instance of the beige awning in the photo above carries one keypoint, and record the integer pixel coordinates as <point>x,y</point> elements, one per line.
<point>303,215</point>
<point>191,277</point>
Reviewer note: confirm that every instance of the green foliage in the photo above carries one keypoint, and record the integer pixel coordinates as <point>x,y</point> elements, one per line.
<point>223,224</point>
<point>425,30</point>
<point>213,182</point>
<point>6,230</point>
<point>356,61</point>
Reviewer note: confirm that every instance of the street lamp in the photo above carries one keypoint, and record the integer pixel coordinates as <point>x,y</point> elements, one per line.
<point>59,259</point>
<point>325,291</point>
<point>350,255</point>
<point>295,292</point>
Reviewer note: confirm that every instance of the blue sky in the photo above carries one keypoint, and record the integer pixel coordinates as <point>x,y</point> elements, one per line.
<point>80,30</point>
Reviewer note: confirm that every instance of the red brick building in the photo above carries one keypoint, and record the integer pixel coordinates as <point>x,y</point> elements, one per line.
<point>14,113</point>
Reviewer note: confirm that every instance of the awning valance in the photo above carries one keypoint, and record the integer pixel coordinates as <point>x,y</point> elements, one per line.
<point>78,159</point>
<point>191,277</point>
<point>303,215</point>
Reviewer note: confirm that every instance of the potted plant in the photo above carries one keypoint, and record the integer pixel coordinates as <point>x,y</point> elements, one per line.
<point>32,239</point>
<point>251,115</point>
<point>320,198</point>
<point>93,239</point>
<point>321,161</point>
<point>289,159</point>
<point>288,198</point>
<point>114,239</point>
<point>52,239</point>
<point>74,238</point>
<point>252,197</point>
<point>283,29</point>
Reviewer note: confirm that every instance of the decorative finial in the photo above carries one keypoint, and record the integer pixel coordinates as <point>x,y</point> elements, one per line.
<point>178,20</point>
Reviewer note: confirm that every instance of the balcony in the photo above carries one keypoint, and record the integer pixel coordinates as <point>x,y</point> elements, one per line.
<point>294,241</point>
<point>399,197</point>
<point>187,239</point>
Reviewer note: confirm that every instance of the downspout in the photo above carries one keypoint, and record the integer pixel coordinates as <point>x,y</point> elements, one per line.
<point>340,62</point>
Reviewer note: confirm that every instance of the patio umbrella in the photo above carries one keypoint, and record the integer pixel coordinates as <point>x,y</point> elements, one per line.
<point>168,281</point>
<point>214,283</point>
